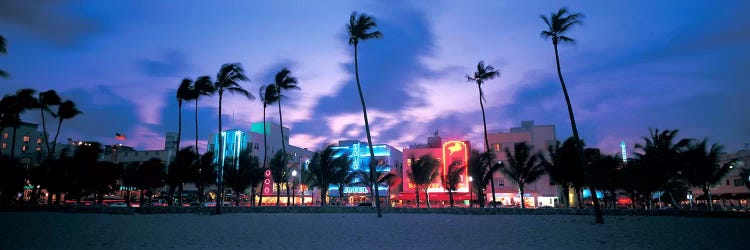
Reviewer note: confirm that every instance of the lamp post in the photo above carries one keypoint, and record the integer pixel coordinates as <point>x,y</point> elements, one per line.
<point>471,195</point>
<point>294,175</point>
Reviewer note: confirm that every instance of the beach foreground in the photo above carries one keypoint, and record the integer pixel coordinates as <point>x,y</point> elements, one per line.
<point>48,230</point>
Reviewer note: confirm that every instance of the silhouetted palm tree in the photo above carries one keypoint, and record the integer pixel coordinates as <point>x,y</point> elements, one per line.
<point>204,173</point>
<point>603,169</point>
<point>65,111</point>
<point>239,174</point>
<point>46,99</point>
<point>703,167</point>
<point>523,167</point>
<point>422,173</point>
<point>180,172</point>
<point>184,93</point>
<point>228,80</point>
<point>557,25</point>
<point>483,74</point>
<point>14,106</point>
<point>268,95</point>
<point>283,81</point>
<point>563,169</point>
<point>451,179</point>
<point>201,87</point>
<point>151,175</point>
<point>3,50</point>
<point>342,178</point>
<point>660,155</point>
<point>322,169</point>
<point>359,29</point>
<point>390,180</point>
<point>279,172</point>
<point>482,167</point>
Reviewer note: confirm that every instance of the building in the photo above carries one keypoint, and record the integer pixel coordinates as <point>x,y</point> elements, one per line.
<point>732,191</point>
<point>126,154</point>
<point>387,159</point>
<point>447,153</point>
<point>542,192</point>
<point>29,147</point>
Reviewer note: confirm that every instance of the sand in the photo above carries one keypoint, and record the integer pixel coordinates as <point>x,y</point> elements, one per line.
<point>47,230</point>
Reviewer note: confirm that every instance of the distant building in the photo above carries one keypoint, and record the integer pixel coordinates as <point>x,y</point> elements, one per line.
<point>542,192</point>
<point>29,148</point>
<point>387,159</point>
<point>731,191</point>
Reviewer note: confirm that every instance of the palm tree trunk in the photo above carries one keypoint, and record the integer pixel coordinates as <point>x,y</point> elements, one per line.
<point>260,196</point>
<point>13,143</point>
<point>265,143</point>
<point>487,146</point>
<point>341,195</point>
<point>54,143</point>
<point>44,129</point>
<point>520,189</point>
<point>427,195</point>
<point>286,186</point>
<point>579,148</point>
<point>220,169</point>
<point>707,193</point>
<point>179,194</point>
<point>367,131</point>
<point>281,128</point>
<point>450,196</point>
<point>416,194</point>
<point>278,194</point>
<point>196,128</point>
<point>323,194</point>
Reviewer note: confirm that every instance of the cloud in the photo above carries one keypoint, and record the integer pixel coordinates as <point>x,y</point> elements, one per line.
<point>170,63</point>
<point>50,19</point>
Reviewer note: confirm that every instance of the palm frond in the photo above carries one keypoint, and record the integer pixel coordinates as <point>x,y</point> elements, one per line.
<point>240,91</point>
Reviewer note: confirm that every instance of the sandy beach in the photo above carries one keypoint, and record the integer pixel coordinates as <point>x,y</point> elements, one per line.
<point>48,230</point>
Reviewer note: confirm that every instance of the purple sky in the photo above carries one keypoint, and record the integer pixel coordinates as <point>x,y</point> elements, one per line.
<point>636,65</point>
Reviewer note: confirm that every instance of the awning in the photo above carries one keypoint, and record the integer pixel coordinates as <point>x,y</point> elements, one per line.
<point>435,196</point>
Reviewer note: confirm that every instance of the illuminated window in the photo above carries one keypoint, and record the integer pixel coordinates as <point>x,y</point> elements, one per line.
<point>497,147</point>
<point>408,161</point>
<point>5,135</point>
<point>38,148</point>
<point>39,140</point>
<point>24,148</point>
<point>5,145</point>
<point>26,138</point>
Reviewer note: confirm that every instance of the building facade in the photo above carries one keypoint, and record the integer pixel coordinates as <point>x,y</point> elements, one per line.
<point>542,192</point>
<point>387,159</point>
<point>29,143</point>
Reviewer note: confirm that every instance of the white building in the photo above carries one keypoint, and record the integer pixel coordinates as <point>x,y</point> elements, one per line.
<point>29,147</point>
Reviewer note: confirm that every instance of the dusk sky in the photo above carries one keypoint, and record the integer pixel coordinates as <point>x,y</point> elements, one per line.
<point>636,65</point>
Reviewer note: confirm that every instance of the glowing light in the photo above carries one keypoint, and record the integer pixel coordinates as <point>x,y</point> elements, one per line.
<point>624,151</point>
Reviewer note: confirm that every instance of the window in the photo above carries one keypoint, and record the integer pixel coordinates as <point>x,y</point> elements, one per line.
<point>5,145</point>
<point>727,182</point>
<point>24,148</point>
<point>39,140</point>
<point>5,135</point>
<point>38,148</point>
<point>497,147</point>
<point>408,161</point>
<point>26,138</point>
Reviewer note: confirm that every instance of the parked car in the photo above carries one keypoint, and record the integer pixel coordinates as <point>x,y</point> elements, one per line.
<point>159,203</point>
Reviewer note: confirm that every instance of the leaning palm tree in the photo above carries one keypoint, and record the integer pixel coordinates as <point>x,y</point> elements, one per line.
<point>3,50</point>
<point>46,99</point>
<point>184,93</point>
<point>201,87</point>
<point>703,168</point>
<point>422,173</point>
<point>451,179</point>
<point>268,95</point>
<point>557,25</point>
<point>228,80</point>
<point>523,167</point>
<point>483,74</point>
<point>283,81</point>
<point>65,111</point>
<point>359,29</point>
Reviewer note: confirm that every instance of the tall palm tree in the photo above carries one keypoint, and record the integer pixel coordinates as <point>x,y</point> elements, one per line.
<point>201,87</point>
<point>323,167</point>
<point>557,25</point>
<point>359,29</point>
<point>3,50</point>
<point>523,167</point>
<point>65,111</point>
<point>703,168</point>
<point>422,173</point>
<point>228,80</point>
<point>184,93</point>
<point>283,81</point>
<point>483,74</point>
<point>660,154</point>
<point>451,179</point>
<point>268,95</point>
<point>46,99</point>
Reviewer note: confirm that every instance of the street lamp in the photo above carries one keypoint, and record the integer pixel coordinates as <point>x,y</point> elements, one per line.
<point>294,175</point>
<point>471,195</point>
